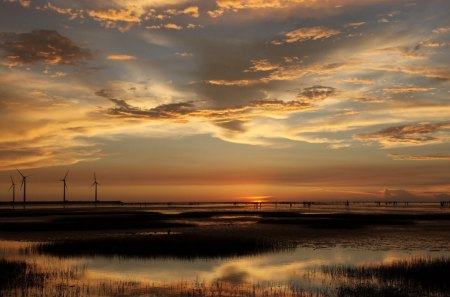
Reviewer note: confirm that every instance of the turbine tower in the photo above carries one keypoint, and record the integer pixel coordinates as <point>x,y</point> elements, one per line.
<point>95,184</point>
<point>24,186</point>
<point>13,187</point>
<point>64,186</point>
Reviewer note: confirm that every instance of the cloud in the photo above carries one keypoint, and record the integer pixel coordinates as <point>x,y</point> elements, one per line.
<point>420,70</point>
<point>316,93</point>
<point>184,54</point>
<point>404,52</point>
<point>399,195</point>
<point>305,34</point>
<point>42,46</point>
<point>370,100</point>
<point>419,157</point>
<point>407,134</point>
<point>239,83</point>
<point>172,26</point>
<point>262,65</point>
<point>357,81</point>
<point>44,121</point>
<point>355,24</point>
<point>164,111</point>
<point>330,6</point>
<point>407,89</point>
<point>191,110</point>
<point>441,30</point>
<point>130,14</point>
<point>232,125</point>
<point>72,13</point>
<point>433,44</point>
<point>24,3</point>
<point>120,57</point>
<point>286,73</point>
<point>192,11</point>
<point>45,157</point>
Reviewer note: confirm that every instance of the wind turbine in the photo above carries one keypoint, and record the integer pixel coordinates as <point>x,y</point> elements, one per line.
<point>13,187</point>
<point>95,184</point>
<point>24,186</point>
<point>64,186</point>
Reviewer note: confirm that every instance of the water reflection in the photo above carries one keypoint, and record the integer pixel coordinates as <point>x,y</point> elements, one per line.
<point>282,267</point>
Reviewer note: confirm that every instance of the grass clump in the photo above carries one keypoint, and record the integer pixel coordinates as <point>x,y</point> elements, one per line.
<point>183,246</point>
<point>413,277</point>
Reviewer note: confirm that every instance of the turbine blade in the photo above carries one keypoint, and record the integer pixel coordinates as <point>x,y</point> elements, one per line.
<point>67,173</point>
<point>21,185</point>
<point>20,172</point>
<point>12,181</point>
<point>12,186</point>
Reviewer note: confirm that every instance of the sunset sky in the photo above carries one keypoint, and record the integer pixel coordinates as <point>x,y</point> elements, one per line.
<point>212,100</point>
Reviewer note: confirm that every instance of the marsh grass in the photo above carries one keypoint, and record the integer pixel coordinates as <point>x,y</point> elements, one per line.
<point>183,246</point>
<point>414,277</point>
<point>69,282</point>
<point>19,274</point>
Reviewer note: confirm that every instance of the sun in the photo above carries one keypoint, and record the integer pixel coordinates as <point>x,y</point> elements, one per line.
<point>257,198</point>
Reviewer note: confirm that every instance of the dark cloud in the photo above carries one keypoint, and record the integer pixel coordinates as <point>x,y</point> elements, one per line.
<point>41,46</point>
<point>233,125</point>
<point>419,133</point>
<point>227,118</point>
<point>122,108</point>
<point>317,92</point>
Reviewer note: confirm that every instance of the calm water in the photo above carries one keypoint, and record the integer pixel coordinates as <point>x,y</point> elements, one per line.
<point>286,269</point>
<point>300,266</point>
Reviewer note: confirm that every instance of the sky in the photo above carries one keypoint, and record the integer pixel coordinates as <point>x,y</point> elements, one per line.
<point>226,100</point>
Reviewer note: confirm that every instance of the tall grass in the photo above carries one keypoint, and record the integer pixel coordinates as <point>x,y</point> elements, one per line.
<point>414,277</point>
<point>20,279</point>
<point>184,246</point>
<point>408,278</point>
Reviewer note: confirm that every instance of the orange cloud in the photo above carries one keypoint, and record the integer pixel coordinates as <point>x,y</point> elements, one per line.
<point>419,157</point>
<point>262,65</point>
<point>239,83</point>
<point>357,81</point>
<point>111,18</point>
<point>192,11</point>
<point>172,26</point>
<point>304,34</point>
<point>72,13</point>
<point>118,57</point>
<point>406,134</point>
<point>407,89</point>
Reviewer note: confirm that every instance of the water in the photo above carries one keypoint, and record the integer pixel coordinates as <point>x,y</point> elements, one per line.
<point>283,268</point>
<point>266,274</point>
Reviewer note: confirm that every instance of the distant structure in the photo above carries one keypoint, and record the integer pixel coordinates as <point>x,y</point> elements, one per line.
<point>64,186</point>
<point>24,186</point>
<point>13,187</point>
<point>95,184</point>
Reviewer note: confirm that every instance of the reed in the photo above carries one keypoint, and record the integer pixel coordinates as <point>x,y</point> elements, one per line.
<point>184,246</point>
